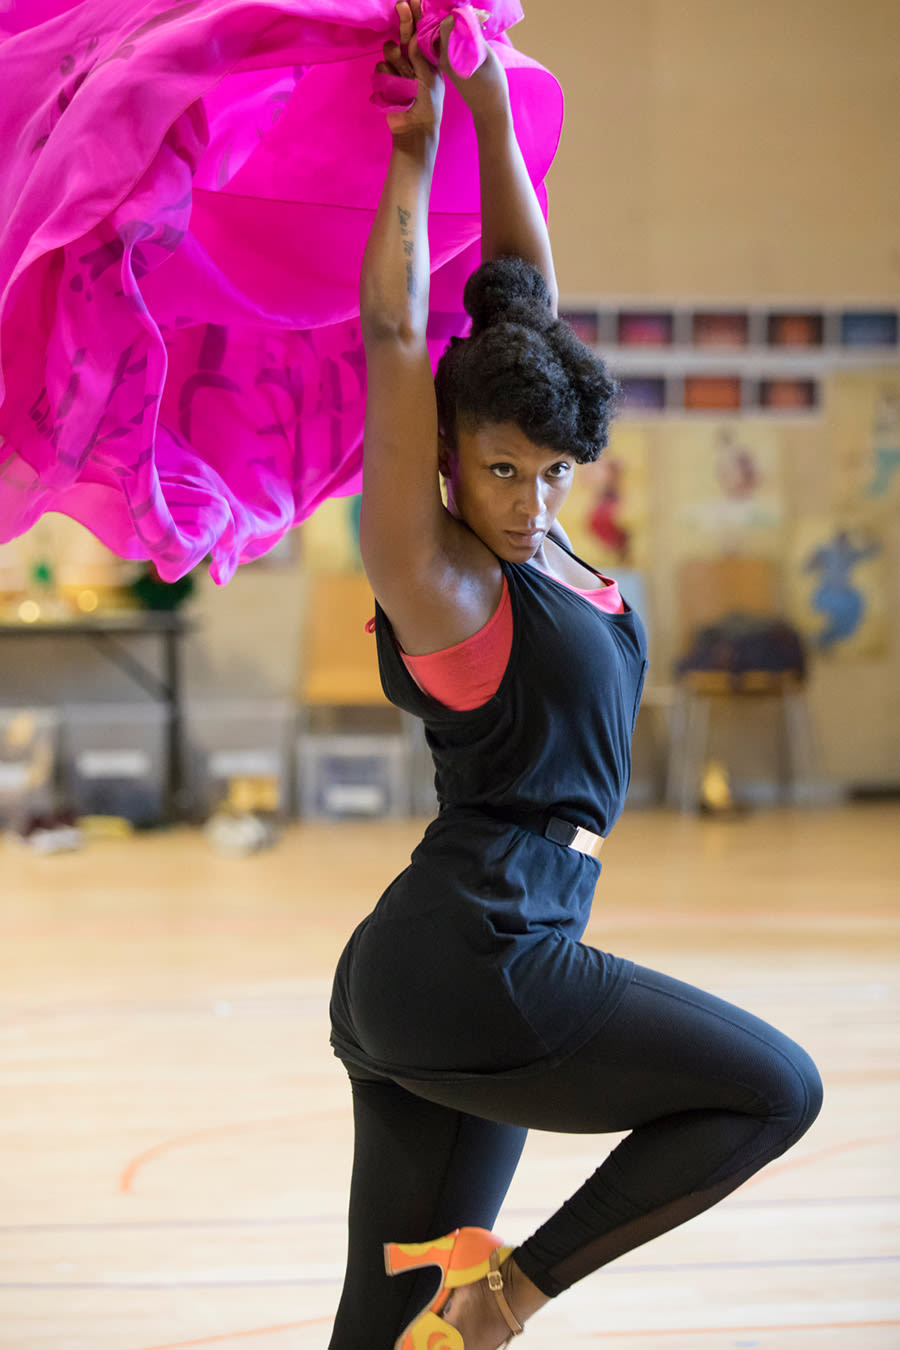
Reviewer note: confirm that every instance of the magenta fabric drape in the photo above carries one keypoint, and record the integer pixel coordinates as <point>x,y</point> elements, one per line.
<point>185,195</point>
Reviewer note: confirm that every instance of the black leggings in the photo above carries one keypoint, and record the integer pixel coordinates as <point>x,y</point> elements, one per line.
<point>710,1095</point>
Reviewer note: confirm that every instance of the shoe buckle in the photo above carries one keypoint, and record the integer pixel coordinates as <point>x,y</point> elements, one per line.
<point>495,1281</point>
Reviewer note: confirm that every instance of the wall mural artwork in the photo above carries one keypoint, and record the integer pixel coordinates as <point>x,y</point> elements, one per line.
<point>605,515</point>
<point>728,495</point>
<point>865,430</point>
<point>838,586</point>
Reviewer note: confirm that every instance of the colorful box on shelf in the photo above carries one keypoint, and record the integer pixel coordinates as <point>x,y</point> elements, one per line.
<point>795,329</point>
<point>638,328</point>
<point>585,323</point>
<point>642,393</point>
<point>861,328</point>
<point>712,393</point>
<point>788,394</point>
<point>715,329</point>
<point>702,327</point>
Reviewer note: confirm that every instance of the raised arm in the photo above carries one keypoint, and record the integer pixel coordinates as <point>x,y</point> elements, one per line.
<point>402,514</point>
<point>434,576</point>
<point>512,223</point>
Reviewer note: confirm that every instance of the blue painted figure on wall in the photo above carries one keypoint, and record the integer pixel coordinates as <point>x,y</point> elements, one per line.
<point>836,597</point>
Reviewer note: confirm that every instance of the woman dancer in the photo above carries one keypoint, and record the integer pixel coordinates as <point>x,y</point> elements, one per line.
<point>466,1008</point>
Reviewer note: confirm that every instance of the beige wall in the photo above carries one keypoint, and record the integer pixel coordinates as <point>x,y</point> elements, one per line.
<point>715,148</point>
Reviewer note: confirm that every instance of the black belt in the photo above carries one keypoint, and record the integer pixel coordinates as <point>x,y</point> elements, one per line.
<point>557,829</point>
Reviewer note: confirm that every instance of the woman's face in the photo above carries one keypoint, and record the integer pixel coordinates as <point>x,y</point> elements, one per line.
<point>507,489</point>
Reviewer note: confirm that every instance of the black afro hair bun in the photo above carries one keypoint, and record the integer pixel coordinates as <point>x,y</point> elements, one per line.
<point>522,364</point>
<point>508,290</point>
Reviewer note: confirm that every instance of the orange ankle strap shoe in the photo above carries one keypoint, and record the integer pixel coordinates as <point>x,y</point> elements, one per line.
<point>463,1257</point>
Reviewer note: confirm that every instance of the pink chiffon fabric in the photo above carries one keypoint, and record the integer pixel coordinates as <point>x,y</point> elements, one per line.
<point>186,194</point>
<point>466,48</point>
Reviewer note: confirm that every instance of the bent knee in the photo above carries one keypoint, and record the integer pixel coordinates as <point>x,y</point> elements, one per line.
<point>803,1096</point>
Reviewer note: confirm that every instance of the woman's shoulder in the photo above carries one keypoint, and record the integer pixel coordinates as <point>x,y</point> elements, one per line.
<point>442,603</point>
<point>566,566</point>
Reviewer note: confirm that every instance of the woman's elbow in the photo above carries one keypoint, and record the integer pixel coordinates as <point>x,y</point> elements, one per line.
<point>385,326</point>
<point>390,315</point>
<point>381,324</point>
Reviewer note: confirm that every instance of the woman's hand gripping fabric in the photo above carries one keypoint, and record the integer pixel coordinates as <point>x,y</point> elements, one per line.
<point>451,35</point>
<point>405,84</point>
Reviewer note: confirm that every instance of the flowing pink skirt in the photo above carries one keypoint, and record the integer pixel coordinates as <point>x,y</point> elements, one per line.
<point>186,193</point>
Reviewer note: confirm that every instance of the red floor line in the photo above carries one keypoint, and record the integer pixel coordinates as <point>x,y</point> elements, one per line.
<point>131,1169</point>
<point>809,1158</point>
<point>241,1335</point>
<point>730,1331</point>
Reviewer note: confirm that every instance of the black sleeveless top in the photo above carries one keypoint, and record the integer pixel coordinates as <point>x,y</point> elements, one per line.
<point>471,962</point>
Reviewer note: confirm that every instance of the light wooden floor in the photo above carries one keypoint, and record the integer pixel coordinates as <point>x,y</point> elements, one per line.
<point>175,1136</point>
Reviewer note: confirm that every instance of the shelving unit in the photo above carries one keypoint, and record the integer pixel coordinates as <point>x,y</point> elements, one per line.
<point>698,360</point>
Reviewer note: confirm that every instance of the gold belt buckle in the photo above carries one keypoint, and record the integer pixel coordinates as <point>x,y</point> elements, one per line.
<point>587,842</point>
<point>574,836</point>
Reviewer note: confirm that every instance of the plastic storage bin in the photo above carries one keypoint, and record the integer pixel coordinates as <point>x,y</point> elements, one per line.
<point>115,759</point>
<point>362,775</point>
<point>245,744</point>
<point>424,800</point>
<point>28,762</point>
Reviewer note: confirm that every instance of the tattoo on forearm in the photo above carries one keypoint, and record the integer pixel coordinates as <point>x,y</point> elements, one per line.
<point>409,250</point>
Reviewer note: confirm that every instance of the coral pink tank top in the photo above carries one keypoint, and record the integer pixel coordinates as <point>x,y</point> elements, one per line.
<point>466,675</point>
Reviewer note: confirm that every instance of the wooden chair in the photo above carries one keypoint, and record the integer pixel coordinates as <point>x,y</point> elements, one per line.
<point>709,591</point>
<point>345,715</point>
<point>339,668</point>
